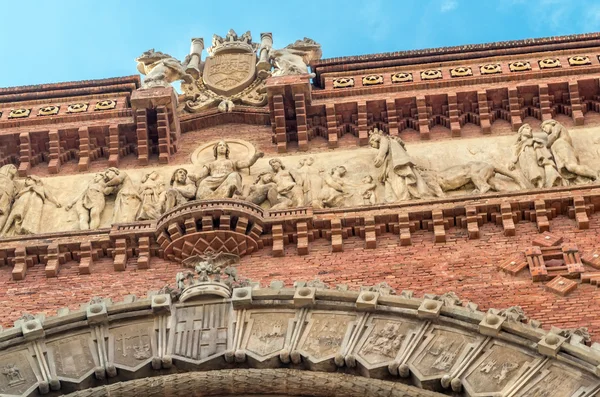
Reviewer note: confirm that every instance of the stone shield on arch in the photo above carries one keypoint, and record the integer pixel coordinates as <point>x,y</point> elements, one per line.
<point>230,73</point>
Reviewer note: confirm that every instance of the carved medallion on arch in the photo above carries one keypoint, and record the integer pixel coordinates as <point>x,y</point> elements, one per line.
<point>18,373</point>
<point>499,368</point>
<point>384,339</point>
<point>442,352</point>
<point>131,346</point>
<point>74,357</point>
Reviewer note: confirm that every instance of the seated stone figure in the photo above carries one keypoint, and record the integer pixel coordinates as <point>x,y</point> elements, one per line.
<point>334,190</point>
<point>182,189</point>
<point>221,178</point>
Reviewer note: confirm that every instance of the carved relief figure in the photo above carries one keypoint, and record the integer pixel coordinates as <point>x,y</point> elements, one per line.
<point>304,171</point>
<point>160,69</point>
<point>26,214</point>
<point>264,189</point>
<point>7,191</point>
<point>334,190</point>
<point>221,178</point>
<point>368,190</point>
<point>152,195</point>
<point>398,173</point>
<point>567,161</point>
<point>385,341</point>
<point>294,58</point>
<point>534,159</point>
<point>480,174</point>
<point>13,375</point>
<point>289,183</point>
<point>182,190</point>
<point>91,202</point>
<point>127,202</point>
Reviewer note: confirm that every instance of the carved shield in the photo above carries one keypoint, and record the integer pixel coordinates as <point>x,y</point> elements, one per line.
<point>228,74</point>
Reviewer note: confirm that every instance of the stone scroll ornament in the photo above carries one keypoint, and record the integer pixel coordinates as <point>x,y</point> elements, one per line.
<point>234,72</point>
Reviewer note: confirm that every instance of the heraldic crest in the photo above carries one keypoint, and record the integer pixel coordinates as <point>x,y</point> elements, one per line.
<point>234,72</point>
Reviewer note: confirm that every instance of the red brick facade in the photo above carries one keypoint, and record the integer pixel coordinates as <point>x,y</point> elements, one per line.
<point>427,247</point>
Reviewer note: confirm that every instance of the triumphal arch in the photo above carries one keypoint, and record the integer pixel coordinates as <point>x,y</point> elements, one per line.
<point>254,220</point>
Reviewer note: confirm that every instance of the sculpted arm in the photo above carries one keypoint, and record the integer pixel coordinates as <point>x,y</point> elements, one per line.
<point>76,199</point>
<point>339,186</point>
<point>188,190</point>
<point>204,172</point>
<point>384,145</point>
<point>250,162</point>
<point>50,197</point>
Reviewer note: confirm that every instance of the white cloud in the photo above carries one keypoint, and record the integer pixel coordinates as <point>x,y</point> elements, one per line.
<point>448,5</point>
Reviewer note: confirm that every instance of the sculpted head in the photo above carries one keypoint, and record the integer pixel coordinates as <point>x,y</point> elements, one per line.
<point>179,176</point>
<point>548,125</point>
<point>99,177</point>
<point>367,179</point>
<point>33,180</point>
<point>339,170</point>
<point>221,148</point>
<point>375,138</point>
<point>526,131</point>
<point>276,164</point>
<point>9,170</point>
<point>111,173</point>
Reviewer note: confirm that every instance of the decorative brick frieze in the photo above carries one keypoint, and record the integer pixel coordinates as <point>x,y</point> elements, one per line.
<point>561,286</point>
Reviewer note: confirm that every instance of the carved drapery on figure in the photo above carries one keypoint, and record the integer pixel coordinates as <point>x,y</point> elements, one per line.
<point>532,161</point>
<point>90,204</point>
<point>7,191</point>
<point>397,170</point>
<point>334,190</point>
<point>181,191</point>
<point>565,156</point>
<point>289,185</point>
<point>152,196</point>
<point>535,160</point>
<point>26,213</point>
<point>127,201</point>
<point>221,178</point>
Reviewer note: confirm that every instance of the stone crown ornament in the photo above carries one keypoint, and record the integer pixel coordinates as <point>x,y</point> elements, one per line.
<point>232,42</point>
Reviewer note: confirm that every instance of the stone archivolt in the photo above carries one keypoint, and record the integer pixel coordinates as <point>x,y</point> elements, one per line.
<point>209,323</point>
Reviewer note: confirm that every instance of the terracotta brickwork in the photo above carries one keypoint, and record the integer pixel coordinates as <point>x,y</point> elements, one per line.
<point>460,264</point>
<point>486,249</point>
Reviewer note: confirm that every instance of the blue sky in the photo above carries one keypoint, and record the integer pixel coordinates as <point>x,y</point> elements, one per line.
<point>67,40</point>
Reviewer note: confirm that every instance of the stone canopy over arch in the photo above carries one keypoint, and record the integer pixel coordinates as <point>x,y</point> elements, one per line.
<point>285,340</point>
